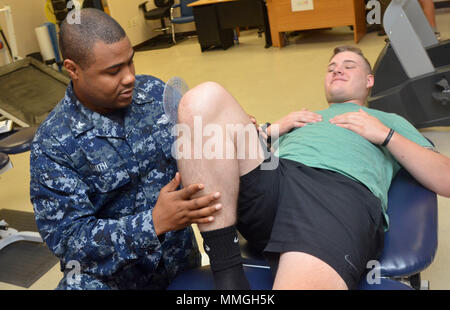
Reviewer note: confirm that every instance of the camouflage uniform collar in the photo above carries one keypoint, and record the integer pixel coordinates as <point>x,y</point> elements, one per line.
<point>79,122</point>
<point>86,119</point>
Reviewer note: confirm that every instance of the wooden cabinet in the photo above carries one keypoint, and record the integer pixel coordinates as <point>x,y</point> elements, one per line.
<point>208,28</point>
<point>326,13</point>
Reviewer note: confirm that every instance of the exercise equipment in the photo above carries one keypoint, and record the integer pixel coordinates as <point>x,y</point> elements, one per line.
<point>29,90</point>
<point>18,142</point>
<point>409,247</point>
<point>12,43</point>
<point>412,72</point>
<point>3,51</point>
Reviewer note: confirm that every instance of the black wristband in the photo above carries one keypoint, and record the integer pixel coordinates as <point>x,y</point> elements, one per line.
<point>388,138</point>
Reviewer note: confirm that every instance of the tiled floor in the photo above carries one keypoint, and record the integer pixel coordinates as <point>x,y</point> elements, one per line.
<point>269,83</point>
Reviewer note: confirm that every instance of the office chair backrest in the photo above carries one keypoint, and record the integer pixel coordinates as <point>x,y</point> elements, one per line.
<point>96,4</point>
<point>164,3</point>
<point>185,9</point>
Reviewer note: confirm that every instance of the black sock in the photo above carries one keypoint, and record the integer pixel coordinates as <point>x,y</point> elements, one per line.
<point>222,247</point>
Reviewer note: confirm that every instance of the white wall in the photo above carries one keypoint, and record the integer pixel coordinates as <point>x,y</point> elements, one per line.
<point>128,15</point>
<point>27,15</point>
<point>132,20</point>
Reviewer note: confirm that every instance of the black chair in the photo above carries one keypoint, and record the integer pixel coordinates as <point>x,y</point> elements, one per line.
<point>161,12</point>
<point>96,4</point>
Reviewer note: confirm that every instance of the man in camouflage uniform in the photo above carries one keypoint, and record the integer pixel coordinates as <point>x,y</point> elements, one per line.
<point>103,181</point>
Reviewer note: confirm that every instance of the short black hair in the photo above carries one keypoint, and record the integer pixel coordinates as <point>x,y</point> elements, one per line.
<point>77,40</point>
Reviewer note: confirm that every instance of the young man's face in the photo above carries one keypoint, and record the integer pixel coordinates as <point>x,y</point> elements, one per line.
<point>348,79</point>
<point>108,83</point>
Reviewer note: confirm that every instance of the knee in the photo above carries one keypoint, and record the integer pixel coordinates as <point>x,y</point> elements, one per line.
<point>203,100</point>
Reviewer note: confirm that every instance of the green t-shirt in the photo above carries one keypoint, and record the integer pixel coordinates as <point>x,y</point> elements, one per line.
<point>327,146</point>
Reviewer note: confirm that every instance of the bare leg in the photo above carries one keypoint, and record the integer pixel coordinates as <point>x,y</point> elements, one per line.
<point>224,145</point>
<point>428,9</point>
<point>205,108</point>
<point>299,271</point>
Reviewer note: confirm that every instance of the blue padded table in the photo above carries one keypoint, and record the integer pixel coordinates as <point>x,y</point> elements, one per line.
<point>411,242</point>
<point>409,246</point>
<point>260,278</point>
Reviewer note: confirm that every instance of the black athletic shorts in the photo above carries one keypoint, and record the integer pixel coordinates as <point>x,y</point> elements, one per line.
<point>319,212</point>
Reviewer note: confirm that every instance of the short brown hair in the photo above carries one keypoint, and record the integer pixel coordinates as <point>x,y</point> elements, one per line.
<point>353,49</point>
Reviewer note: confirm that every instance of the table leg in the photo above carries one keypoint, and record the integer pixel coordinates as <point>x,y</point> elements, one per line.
<point>359,26</point>
<point>277,39</point>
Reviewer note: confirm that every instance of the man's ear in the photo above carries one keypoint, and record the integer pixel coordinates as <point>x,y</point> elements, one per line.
<point>370,80</point>
<point>72,68</point>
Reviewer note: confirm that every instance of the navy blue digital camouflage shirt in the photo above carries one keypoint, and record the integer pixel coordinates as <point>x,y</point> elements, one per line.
<point>94,183</point>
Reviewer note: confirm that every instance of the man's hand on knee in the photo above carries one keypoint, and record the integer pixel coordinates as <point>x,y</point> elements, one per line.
<point>176,209</point>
